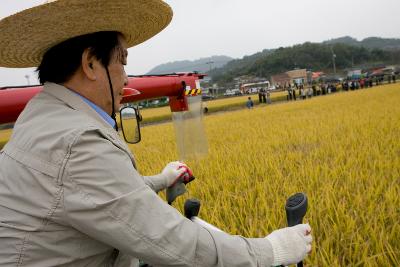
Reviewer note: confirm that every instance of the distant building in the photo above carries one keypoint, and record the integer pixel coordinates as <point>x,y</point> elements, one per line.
<point>354,74</point>
<point>280,79</point>
<point>298,76</point>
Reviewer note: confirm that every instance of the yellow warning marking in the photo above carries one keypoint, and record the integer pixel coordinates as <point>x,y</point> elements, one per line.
<point>192,92</point>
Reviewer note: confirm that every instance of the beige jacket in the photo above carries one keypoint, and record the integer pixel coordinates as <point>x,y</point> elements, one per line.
<point>70,194</point>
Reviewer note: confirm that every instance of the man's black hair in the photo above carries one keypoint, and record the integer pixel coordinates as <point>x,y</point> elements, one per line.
<point>60,62</point>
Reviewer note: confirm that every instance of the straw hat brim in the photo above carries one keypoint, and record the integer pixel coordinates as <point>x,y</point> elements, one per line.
<point>27,35</point>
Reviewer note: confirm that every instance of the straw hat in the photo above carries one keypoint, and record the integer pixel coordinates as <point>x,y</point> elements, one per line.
<point>27,35</point>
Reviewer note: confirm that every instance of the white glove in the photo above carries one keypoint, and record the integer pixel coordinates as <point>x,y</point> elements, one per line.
<point>173,172</point>
<point>291,244</point>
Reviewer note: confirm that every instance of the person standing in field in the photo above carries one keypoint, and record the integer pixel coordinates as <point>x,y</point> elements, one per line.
<point>289,93</point>
<point>352,86</point>
<point>310,92</point>
<point>268,100</point>
<point>249,103</point>
<point>302,92</point>
<point>293,89</point>
<point>261,96</point>
<point>362,83</point>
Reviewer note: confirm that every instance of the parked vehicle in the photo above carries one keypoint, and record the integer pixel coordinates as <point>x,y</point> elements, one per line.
<point>232,92</point>
<point>207,97</point>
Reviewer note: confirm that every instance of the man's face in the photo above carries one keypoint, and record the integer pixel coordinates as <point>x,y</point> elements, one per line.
<point>118,77</point>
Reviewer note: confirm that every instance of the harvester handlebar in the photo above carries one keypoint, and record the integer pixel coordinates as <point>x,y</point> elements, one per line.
<point>296,208</point>
<point>191,208</point>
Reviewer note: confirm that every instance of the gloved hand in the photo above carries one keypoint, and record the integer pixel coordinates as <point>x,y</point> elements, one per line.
<point>291,244</point>
<point>174,171</point>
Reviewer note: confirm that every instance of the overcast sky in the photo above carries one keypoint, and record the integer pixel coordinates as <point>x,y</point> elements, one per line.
<point>203,28</point>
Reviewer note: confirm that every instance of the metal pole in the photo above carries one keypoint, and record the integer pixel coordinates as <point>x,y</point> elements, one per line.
<point>334,64</point>
<point>209,63</point>
<point>333,60</point>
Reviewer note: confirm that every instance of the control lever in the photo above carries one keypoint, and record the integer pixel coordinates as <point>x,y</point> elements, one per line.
<point>296,208</point>
<point>191,208</point>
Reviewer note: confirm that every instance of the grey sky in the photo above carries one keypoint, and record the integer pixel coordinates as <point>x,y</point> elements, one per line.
<point>202,28</point>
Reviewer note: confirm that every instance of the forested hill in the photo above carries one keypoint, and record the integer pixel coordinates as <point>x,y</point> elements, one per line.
<point>200,65</point>
<point>314,56</point>
<point>370,42</point>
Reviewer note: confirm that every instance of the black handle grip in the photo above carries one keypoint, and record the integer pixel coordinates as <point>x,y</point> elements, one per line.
<point>296,208</point>
<point>191,207</point>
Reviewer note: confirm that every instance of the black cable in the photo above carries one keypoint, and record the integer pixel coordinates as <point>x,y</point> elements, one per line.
<point>113,115</point>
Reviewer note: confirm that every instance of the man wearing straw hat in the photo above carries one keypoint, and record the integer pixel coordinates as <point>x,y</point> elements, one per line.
<point>70,194</point>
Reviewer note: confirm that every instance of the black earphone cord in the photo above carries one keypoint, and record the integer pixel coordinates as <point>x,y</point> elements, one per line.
<point>113,115</point>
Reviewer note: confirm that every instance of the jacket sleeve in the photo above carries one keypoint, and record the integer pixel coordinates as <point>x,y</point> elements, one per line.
<point>105,198</point>
<point>155,182</point>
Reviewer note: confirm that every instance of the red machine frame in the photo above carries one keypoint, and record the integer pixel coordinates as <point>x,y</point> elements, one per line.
<point>14,99</point>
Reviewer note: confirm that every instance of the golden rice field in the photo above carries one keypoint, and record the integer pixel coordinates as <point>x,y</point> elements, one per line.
<point>4,136</point>
<point>342,150</point>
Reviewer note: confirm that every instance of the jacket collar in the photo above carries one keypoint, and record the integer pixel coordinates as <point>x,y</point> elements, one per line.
<point>74,101</point>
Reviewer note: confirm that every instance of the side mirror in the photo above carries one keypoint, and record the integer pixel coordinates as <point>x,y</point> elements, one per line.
<point>130,124</point>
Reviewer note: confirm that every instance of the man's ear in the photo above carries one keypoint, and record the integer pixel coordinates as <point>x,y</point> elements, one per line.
<point>89,65</point>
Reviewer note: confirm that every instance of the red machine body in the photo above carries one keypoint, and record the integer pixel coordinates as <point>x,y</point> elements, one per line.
<point>14,99</point>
